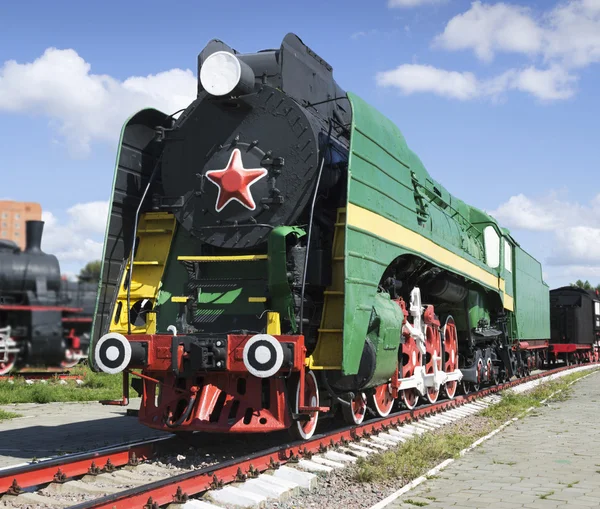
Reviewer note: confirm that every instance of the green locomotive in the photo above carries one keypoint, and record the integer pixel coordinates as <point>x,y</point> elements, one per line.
<point>278,253</point>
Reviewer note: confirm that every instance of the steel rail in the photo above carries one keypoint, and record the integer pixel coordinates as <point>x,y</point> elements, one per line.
<point>14,480</point>
<point>179,488</point>
<point>39,376</point>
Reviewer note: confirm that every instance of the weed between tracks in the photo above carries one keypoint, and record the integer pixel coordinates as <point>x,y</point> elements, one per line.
<point>418,455</point>
<point>92,387</point>
<point>4,415</point>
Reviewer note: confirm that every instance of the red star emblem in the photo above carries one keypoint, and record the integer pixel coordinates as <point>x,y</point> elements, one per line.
<point>234,182</point>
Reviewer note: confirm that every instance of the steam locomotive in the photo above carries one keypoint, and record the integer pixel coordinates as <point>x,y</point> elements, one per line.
<point>278,254</point>
<point>45,320</point>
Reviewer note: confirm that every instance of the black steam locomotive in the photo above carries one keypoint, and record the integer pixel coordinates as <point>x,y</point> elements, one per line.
<point>45,320</point>
<point>575,318</point>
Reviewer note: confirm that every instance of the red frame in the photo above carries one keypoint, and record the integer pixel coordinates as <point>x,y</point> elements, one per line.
<point>221,400</point>
<point>18,307</point>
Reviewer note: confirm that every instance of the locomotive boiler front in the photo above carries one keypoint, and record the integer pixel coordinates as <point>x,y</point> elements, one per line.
<point>23,271</point>
<point>241,164</point>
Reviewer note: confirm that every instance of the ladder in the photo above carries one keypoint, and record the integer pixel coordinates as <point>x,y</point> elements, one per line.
<point>154,236</point>
<point>328,352</point>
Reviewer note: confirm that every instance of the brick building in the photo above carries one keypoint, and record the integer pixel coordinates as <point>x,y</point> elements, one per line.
<point>13,215</point>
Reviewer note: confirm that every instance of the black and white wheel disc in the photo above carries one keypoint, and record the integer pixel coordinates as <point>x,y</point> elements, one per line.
<point>112,353</point>
<point>263,355</point>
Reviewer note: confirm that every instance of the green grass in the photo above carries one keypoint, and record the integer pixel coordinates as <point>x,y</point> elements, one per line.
<point>414,457</point>
<point>546,495</point>
<point>417,455</point>
<point>509,463</point>
<point>415,502</point>
<point>95,386</point>
<point>4,415</point>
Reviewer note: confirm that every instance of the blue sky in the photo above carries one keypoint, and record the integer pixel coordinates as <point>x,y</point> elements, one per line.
<point>497,99</point>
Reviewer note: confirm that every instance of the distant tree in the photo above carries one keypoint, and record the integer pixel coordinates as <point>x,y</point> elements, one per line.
<point>585,285</point>
<point>91,272</point>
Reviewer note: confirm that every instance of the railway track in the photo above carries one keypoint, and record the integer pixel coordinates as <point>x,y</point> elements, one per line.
<point>132,476</point>
<point>40,375</point>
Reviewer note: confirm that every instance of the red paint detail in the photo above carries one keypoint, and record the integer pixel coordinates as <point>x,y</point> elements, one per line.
<point>199,482</point>
<point>234,182</point>
<point>232,396</point>
<point>395,383</point>
<point>220,405</point>
<point>16,307</point>
<point>433,347</point>
<point>429,317</point>
<point>76,319</point>
<point>568,347</point>
<point>451,354</point>
<point>159,352</point>
<point>384,397</point>
<point>75,341</point>
<point>409,347</point>
<point>532,345</point>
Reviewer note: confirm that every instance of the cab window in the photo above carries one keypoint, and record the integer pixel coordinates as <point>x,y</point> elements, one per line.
<point>507,256</point>
<point>492,247</point>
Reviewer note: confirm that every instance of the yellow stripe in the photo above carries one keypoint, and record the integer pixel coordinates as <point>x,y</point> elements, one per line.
<point>179,299</point>
<point>364,219</point>
<point>240,258</point>
<point>509,302</point>
<point>257,299</point>
<point>501,284</point>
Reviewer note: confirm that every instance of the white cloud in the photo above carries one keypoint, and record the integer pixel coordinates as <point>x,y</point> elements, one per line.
<point>523,213</point>
<point>563,39</point>
<point>549,84</point>
<point>546,85</point>
<point>80,238</point>
<point>577,245</point>
<point>546,213</point>
<point>488,28</point>
<point>569,233</point>
<point>412,3</point>
<point>413,78</point>
<point>573,33</point>
<point>87,107</point>
<point>89,217</point>
<point>364,33</point>
<point>568,34</point>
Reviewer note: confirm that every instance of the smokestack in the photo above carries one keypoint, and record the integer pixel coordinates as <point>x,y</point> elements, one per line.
<point>34,236</point>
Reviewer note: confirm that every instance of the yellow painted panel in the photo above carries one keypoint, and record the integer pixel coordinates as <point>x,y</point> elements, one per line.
<point>273,323</point>
<point>155,232</point>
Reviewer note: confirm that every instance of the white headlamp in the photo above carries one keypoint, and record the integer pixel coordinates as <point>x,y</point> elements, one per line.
<point>222,73</point>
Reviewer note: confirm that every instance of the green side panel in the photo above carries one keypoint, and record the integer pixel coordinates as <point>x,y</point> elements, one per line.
<point>387,178</point>
<point>478,309</point>
<point>137,155</point>
<point>385,334</point>
<point>532,298</point>
<point>282,299</point>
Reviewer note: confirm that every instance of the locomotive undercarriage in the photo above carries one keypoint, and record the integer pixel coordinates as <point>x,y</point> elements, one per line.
<point>17,351</point>
<point>484,353</point>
